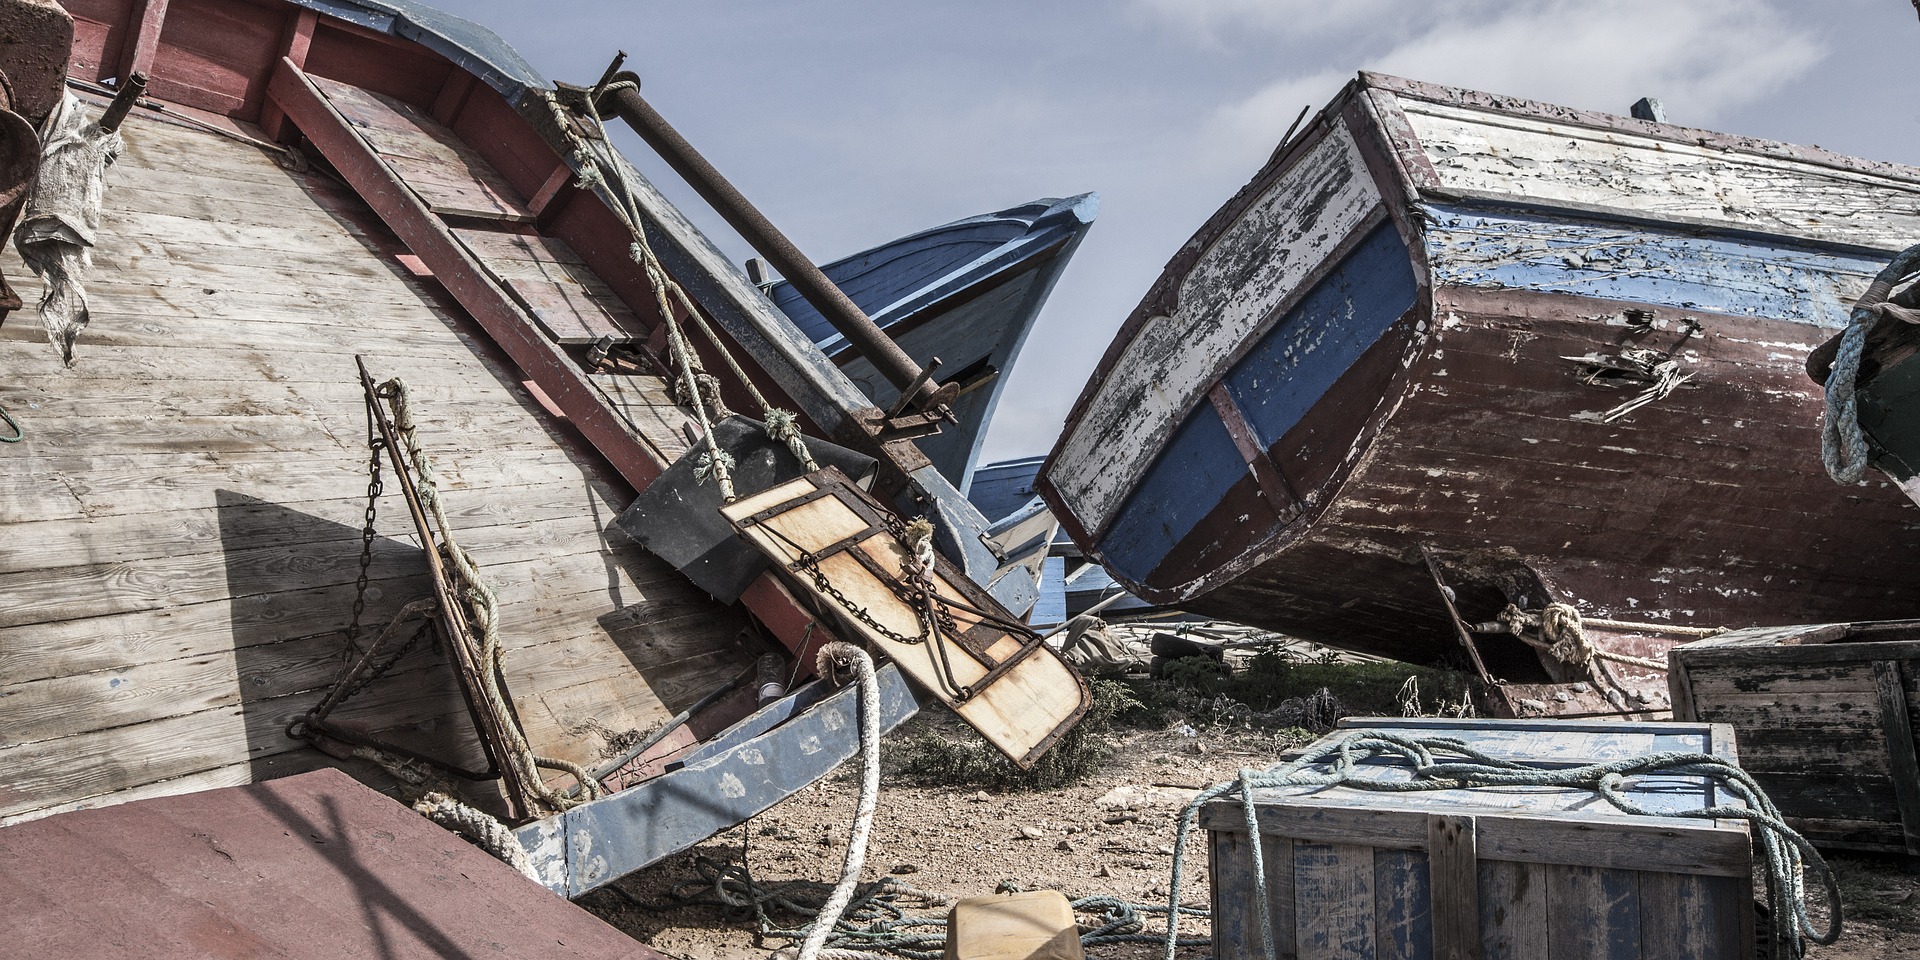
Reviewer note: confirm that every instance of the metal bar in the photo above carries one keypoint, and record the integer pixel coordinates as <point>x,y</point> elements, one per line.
<point>124,98</point>
<point>453,618</point>
<point>853,323</point>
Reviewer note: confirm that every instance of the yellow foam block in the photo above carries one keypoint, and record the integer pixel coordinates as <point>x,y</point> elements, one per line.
<point>1036,925</point>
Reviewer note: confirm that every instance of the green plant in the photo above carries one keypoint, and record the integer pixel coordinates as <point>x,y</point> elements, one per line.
<point>934,759</point>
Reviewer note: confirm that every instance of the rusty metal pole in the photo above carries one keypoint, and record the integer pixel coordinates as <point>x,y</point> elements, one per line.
<point>624,101</point>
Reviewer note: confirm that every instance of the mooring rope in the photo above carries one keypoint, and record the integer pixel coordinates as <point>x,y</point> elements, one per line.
<point>1442,763</point>
<point>483,605</point>
<point>781,425</point>
<point>846,656</point>
<point>1843,446</point>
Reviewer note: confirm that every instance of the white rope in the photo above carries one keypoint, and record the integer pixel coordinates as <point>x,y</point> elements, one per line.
<point>1843,445</point>
<point>846,655</point>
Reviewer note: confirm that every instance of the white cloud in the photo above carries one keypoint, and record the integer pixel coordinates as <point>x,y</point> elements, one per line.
<point>1220,22</point>
<point>1702,59</point>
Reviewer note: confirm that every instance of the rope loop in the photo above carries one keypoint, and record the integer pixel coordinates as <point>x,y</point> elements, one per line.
<point>1843,445</point>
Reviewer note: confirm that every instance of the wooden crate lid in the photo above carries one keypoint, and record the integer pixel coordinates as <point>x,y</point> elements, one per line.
<point>1534,824</point>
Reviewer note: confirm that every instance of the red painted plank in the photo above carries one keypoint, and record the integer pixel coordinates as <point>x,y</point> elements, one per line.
<point>309,866</point>
<point>295,42</point>
<point>143,41</point>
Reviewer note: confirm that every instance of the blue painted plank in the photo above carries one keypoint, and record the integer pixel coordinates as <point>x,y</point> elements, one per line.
<point>599,842</point>
<point>1051,609</point>
<point>1503,249</point>
<point>1310,349</point>
<point>1403,905</point>
<point>1193,474</point>
<point>1001,488</point>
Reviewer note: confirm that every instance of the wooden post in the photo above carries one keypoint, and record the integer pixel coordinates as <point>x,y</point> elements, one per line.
<point>1453,874</point>
<point>1901,761</point>
<point>294,45</point>
<point>143,40</point>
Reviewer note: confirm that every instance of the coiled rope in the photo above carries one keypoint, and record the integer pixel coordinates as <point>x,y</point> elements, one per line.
<point>483,608</point>
<point>1843,446</point>
<point>1442,763</point>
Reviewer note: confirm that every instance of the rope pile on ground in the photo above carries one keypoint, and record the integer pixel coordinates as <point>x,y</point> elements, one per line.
<point>1441,763</point>
<point>878,921</point>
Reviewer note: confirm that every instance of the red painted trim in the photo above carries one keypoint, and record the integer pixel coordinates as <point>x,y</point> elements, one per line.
<point>453,96</point>
<point>1272,484</point>
<point>143,40</point>
<point>550,191</point>
<point>295,44</point>
<point>795,626</point>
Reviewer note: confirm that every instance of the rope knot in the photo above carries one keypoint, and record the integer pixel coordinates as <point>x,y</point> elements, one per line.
<point>919,536</point>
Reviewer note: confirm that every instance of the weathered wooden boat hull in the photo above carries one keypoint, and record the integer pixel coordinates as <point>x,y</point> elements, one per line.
<point>966,292</point>
<point>188,500</point>
<point>1825,714</point>
<point>1404,337</point>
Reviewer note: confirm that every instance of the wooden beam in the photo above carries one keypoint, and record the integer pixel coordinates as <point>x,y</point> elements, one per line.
<point>453,96</point>
<point>294,44</point>
<point>1453,871</point>
<point>1902,763</point>
<point>1273,485</point>
<point>143,40</point>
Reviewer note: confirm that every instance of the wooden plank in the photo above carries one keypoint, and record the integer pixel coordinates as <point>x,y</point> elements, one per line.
<point>1335,884</point>
<point>450,176</point>
<point>1896,729</point>
<point>1592,914</point>
<point>1236,913</point>
<point>1404,918</point>
<point>144,40</point>
<point>569,300</point>
<point>1691,918</point>
<point>294,45</point>
<point>1513,910</point>
<point>1579,168</point>
<point>1022,710</point>
<point>644,403</point>
<point>1453,877</point>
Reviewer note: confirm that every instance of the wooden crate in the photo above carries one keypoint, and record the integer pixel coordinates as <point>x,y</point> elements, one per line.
<point>1492,873</point>
<point>1825,718</point>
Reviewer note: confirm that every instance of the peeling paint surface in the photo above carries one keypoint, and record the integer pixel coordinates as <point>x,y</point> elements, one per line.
<point>1233,288</point>
<point>1544,253</point>
<point>1479,153</point>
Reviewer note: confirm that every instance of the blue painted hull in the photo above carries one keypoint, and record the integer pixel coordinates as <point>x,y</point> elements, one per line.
<point>1438,392</point>
<point>967,292</point>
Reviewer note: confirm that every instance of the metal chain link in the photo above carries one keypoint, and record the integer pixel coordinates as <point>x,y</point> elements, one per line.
<point>374,488</point>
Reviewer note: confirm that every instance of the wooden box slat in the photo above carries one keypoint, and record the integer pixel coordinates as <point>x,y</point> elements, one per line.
<point>1825,714</point>
<point>1517,872</point>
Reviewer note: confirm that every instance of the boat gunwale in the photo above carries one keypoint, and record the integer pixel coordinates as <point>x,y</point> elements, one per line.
<point>1365,126</point>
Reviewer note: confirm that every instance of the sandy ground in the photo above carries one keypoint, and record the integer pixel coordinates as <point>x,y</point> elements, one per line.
<point>961,842</point>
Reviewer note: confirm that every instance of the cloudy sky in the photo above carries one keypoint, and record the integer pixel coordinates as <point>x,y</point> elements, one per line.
<point>851,122</point>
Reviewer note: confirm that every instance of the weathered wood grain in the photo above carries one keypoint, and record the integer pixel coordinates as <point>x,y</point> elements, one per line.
<point>186,509</point>
<point>1575,167</point>
<point>1226,297</point>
